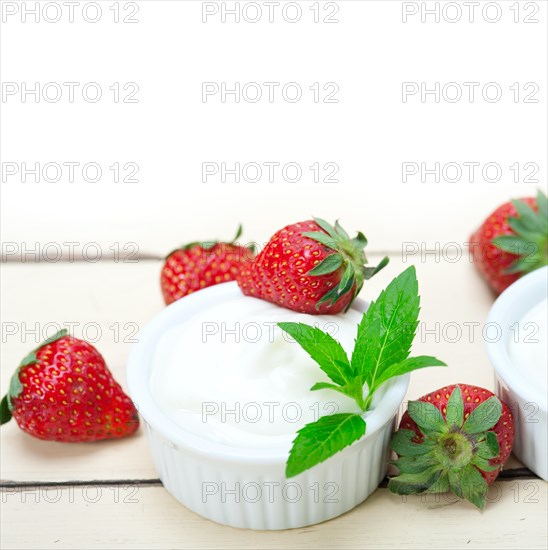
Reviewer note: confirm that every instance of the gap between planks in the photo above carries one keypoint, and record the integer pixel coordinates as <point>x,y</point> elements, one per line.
<point>505,475</point>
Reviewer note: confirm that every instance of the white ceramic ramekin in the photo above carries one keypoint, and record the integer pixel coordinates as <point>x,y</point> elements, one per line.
<point>244,487</point>
<point>528,402</point>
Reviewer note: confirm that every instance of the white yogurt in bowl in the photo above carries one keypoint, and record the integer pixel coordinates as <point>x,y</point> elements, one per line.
<point>230,375</point>
<point>192,358</point>
<point>520,360</point>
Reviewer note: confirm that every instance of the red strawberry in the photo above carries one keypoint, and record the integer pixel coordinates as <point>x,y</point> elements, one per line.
<point>199,265</point>
<point>512,241</point>
<point>454,439</point>
<point>63,391</point>
<point>311,267</point>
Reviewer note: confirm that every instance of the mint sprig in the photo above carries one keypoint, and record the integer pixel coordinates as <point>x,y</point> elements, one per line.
<point>321,439</point>
<point>381,352</point>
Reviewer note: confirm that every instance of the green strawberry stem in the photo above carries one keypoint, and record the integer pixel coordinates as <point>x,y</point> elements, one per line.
<point>348,254</point>
<point>5,413</point>
<point>206,245</point>
<point>15,387</point>
<point>530,240</point>
<point>452,451</point>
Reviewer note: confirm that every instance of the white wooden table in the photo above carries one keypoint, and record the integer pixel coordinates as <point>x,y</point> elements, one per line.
<point>107,495</point>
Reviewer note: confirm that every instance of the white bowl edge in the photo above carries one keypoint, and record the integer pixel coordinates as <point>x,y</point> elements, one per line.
<point>527,402</point>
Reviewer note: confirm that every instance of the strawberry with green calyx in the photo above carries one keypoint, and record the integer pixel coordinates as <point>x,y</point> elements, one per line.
<point>512,241</point>
<point>454,439</point>
<point>310,267</point>
<point>198,265</point>
<point>63,391</point>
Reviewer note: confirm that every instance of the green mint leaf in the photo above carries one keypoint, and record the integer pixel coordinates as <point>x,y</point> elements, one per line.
<point>483,417</point>
<point>328,265</point>
<point>427,417</point>
<point>322,439</point>
<point>327,386</point>
<point>353,389</point>
<point>455,408</point>
<point>407,365</point>
<point>366,346</point>
<point>387,328</point>
<point>323,348</point>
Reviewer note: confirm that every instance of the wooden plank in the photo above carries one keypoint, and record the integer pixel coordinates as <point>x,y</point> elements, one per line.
<point>148,517</point>
<point>107,293</point>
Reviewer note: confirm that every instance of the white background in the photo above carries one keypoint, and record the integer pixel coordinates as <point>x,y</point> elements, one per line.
<point>170,131</point>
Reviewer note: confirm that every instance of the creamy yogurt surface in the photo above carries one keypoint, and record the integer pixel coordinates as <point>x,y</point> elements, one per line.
<point>528,346</point>
<point>230,375</point>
